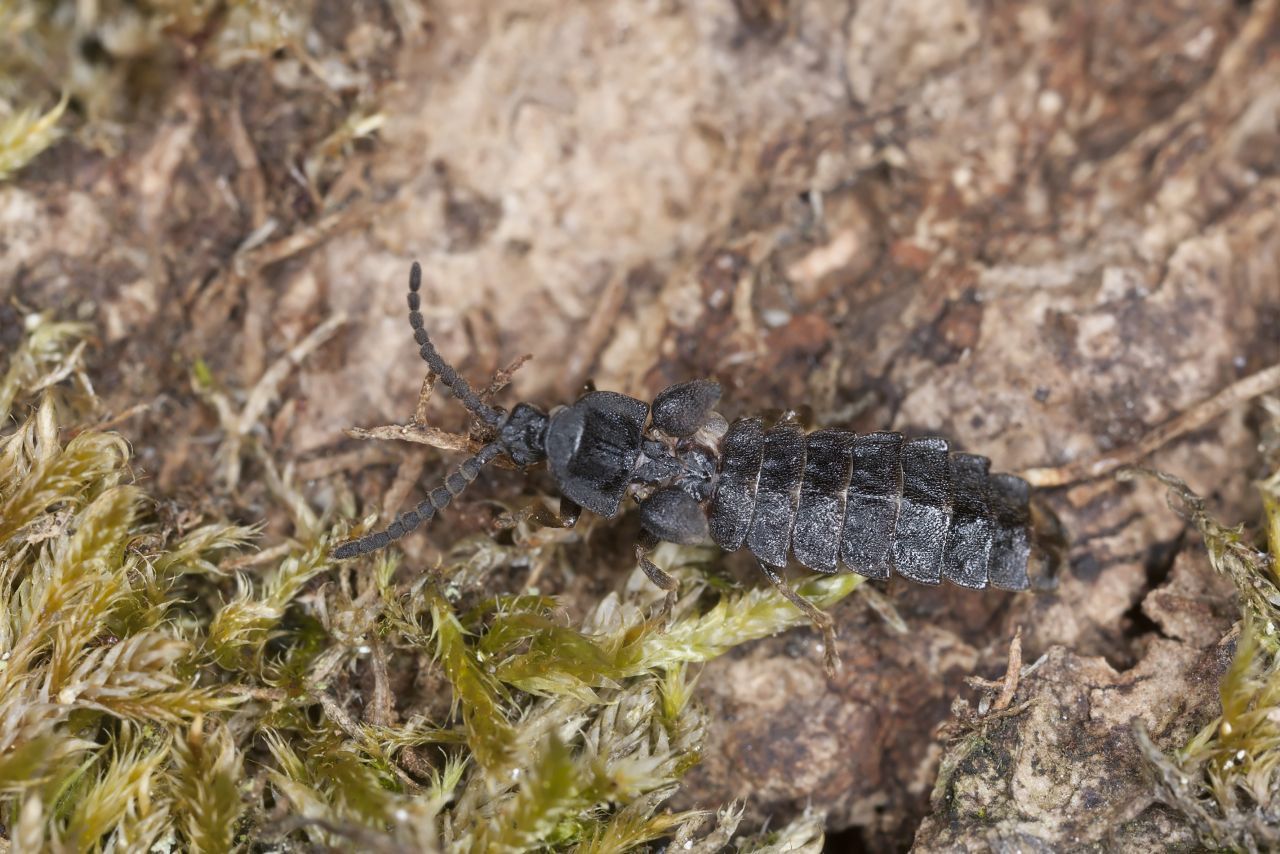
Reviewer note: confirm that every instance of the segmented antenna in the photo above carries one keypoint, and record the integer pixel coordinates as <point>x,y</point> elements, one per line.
<point>454,484</point>
<point>436,362</point>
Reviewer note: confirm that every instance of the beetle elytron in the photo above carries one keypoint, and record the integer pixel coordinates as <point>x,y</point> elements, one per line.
<point>835,500</point>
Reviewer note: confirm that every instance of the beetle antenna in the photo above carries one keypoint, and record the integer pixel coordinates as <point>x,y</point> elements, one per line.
<point>439,498</point>
<point>436,362</point>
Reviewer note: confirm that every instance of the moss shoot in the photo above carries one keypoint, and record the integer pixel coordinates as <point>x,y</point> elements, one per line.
<point>192,688</point>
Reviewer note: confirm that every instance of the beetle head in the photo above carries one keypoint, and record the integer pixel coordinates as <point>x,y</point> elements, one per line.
<point>523,435</point>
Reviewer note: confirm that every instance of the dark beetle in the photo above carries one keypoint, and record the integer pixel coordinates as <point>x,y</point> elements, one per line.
<point>831,498</point>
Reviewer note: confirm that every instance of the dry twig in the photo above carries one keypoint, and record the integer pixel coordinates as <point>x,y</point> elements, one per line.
<point>1233,395</point>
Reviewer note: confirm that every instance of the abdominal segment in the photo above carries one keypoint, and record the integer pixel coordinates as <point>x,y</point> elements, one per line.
<point>871,504</point>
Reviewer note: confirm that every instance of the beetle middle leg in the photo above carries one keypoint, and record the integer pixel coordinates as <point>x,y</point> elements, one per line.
<point>821,619</point>
<point>646,543</point>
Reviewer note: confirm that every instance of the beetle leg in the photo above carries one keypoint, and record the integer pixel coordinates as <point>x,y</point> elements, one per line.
<point>537,514</point>
<point>821,619</point>
<point>660,579</point>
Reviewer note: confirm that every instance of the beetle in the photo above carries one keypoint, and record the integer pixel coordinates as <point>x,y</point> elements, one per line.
<point>873,504</point>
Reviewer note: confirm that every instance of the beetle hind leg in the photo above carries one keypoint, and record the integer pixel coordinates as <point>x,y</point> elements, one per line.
<point>820,619</point>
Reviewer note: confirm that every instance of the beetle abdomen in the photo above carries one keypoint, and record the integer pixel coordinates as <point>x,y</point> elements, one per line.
<point>734,501</point>
<point>1010,499</point>
<point>925,512</point>
<point>871,508</point>
<point>870,504</point>
<point>969,539</point>
<point>781,472</point>
<point>815,538</point>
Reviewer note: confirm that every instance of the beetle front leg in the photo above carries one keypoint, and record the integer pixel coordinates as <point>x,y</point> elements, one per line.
<point>539,515</point>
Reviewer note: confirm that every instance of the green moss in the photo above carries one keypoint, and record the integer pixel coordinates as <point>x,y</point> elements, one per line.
<point>1226,780</point>
<point>26,133</point>
<point>188,689</point>
<point>489,734</point>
